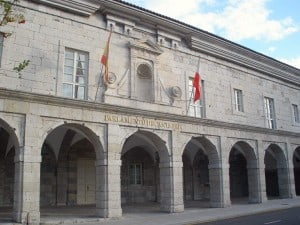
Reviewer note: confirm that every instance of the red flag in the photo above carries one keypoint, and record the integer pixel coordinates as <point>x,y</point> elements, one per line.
<point>104,58</point>
<point>197,86</point>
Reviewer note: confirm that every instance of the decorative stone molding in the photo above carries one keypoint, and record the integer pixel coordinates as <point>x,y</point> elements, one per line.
<point>127,24</point>
<point>239,55</point>
<point>176,92</point>
<point>82,7</point>
<point>112,78</point>
<point>146,45</point>
<point>54,100</point>
<point>167,40</point>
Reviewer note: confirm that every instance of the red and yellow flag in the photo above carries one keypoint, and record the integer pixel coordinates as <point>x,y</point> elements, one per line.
<point>104,58</point>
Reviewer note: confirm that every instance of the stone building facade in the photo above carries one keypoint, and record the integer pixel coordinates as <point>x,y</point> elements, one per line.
<point>67,138</point>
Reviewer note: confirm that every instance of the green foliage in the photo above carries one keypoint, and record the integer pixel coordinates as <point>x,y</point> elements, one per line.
<point>9,16</point>
<point>22,66</point>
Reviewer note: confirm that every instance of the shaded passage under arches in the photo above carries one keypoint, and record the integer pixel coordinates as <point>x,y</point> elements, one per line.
<point>296,163</point>
<point>276,173</point>
<point>8,192</point>
<point>244,174</point>
<point>68,170</point>
<point>145,171</point>
<point>201,174</point>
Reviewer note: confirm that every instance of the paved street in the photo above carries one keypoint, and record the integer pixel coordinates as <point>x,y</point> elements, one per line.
<point>283,217</point>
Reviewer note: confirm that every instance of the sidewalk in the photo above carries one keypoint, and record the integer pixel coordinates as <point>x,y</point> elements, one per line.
<point>189,216</point>
<point>150,215</point>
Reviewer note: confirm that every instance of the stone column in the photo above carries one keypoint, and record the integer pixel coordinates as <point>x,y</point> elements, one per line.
<point>292,178</point>
<point>261,172</point>
<point>171,188</point>
<point>253,182</point>
<point>165,187</point>
<point>178,205</point>
<point>215,182</point>
<point>290,165</point>
<point>225,179</point>
<point>108,170</point>
<point>283,180</point>
<point>108,190</point>
<point>27,173</point>
<point>27,189</point>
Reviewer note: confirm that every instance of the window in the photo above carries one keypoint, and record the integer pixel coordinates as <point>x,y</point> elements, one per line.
<point>196,109</point>
<point>75,74</point>
<point>270,112</point>
<point>296,114</point>
<point>238,100</point>
<point>135,173</point>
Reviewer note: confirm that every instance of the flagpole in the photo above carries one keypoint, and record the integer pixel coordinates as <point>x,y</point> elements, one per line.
<point>189,102</point>
<point>99,82</point>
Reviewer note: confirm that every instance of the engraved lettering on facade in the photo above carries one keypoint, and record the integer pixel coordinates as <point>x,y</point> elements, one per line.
<point>140,121</point>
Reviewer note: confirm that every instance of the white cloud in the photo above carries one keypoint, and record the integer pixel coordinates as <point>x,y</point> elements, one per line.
<point>238,20</point>
<point>272,49</point>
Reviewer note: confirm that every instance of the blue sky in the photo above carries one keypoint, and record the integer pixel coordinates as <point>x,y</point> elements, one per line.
<point>271,27</point>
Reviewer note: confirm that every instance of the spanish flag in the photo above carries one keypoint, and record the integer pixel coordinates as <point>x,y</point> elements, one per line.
<point>104,59</point>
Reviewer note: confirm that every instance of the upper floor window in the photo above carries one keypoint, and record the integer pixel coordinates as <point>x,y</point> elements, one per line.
<point>270,112</point>
<point>296,113</point>
<point>135,173</point>
<point>75,74</point>
<point>238,100</point>
<point>196,109</point>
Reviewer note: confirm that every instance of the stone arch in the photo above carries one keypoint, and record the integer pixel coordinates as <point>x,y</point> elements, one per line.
<point>276,172</point>
<point>244,172</point>
<point>70,155</point>
<point>9,152</point>
<point>202,171</point>
<point>80,129</point>
<point>296,164</point>
<point>144,172</point>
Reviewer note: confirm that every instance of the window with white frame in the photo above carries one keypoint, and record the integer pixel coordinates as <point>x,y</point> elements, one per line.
<point>238,100</point>
<point>196,109</point>
<point>75,74</point>
<point>270,112</point>
<point>135,174</point>
<point>296,113</point>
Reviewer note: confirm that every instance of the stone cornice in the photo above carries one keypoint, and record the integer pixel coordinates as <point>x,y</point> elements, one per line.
<point>107,108</point>
<point>245,57</point>
<point>206,42</point>
<point>82,7</point>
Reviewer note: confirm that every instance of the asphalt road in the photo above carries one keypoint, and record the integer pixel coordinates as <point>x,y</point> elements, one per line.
<point>283,217</point>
